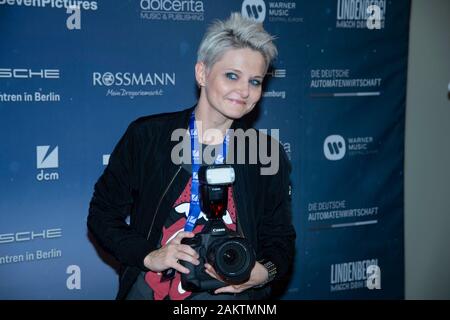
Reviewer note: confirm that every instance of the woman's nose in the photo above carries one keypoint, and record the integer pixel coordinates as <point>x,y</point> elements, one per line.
<point>244,89</point>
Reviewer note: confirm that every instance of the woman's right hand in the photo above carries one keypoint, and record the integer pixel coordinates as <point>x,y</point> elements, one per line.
<point>168,255</point>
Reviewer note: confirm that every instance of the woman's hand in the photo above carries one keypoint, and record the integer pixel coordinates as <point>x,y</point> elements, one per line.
<point>258,276</point>
<point>168,255</point>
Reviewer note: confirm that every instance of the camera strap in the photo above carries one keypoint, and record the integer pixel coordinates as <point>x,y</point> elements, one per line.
<point>196,156</point>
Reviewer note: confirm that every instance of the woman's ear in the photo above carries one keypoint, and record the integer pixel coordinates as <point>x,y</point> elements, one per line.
<point>200,73</point>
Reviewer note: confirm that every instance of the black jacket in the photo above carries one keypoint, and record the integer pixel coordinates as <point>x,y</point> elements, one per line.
<point>142,181</point>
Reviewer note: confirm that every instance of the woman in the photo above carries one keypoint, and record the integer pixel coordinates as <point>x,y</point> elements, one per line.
<point>143,181</point>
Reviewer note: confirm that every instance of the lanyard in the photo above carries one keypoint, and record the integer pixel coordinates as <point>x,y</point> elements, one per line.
<point>194,208</point>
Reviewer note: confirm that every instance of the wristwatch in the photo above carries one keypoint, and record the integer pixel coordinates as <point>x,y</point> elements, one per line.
<point>271,270</point>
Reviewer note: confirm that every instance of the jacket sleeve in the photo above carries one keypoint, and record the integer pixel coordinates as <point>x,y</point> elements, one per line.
<point>276,233</point>
<point>113,200</point>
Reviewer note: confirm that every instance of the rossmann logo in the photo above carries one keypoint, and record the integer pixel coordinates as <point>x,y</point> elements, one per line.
<point>47,159</point>
<point>133,79</point>
<point>25,73</point>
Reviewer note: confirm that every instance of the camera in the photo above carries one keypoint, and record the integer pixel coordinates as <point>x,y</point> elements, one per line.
<point>230,254</point>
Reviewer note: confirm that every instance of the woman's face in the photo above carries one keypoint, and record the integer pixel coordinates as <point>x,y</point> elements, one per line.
<point>232,86</point>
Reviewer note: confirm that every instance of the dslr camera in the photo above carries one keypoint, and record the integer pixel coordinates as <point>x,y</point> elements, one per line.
<point>230,254</point>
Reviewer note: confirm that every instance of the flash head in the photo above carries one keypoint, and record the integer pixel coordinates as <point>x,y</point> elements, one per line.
<point>216,175</point>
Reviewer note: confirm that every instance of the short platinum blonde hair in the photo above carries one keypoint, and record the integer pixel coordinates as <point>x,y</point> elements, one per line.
<point>236,32</point>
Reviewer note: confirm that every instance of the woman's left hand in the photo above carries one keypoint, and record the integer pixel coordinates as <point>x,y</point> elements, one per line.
<point>258,276</point>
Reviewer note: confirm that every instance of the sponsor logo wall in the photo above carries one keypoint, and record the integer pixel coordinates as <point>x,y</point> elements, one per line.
<point>74,74</point>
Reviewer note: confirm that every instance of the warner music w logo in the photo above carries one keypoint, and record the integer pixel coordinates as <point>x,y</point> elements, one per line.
<point>254,9</point>
<point>46,160</point>
<point>334,147</point>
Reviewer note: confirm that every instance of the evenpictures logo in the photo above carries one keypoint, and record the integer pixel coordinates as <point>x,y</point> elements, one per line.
<point>71,7</point>
<point>47,160</point>
<point>173,10</point>
<point>334,147</point>
<point>56,4</point>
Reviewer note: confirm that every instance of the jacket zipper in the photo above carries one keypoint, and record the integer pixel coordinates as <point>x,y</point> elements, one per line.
<point>156,212</point>
<point>160,200</point>
<point>238,225</point>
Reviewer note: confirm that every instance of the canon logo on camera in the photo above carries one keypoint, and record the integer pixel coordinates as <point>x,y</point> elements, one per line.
<point>218,230</point>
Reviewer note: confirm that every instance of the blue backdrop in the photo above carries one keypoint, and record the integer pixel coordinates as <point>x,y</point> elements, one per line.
<point>72,79</point>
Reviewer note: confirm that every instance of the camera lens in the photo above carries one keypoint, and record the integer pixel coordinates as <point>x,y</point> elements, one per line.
<point>229,257</point>
<point>233,259</point>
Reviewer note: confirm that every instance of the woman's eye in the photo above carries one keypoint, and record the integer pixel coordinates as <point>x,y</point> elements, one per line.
<point>231,75</point>
<point>255,82</point>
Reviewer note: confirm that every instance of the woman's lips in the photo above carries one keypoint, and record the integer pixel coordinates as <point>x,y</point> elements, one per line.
<point>237,101</point>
